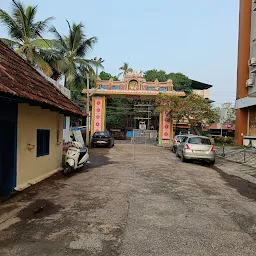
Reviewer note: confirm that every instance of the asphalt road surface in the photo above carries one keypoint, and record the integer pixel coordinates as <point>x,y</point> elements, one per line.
<point>141,201</point>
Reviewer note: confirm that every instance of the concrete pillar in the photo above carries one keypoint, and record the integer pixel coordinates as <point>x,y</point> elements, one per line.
<point>244,42</point>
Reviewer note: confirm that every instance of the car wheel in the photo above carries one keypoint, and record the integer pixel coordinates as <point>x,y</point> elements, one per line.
<point>212,162</point>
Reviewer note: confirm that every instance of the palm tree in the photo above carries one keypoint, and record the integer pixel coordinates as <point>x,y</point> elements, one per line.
<point>125,69</point>
<point>25,34</point>
<point>74,48</point>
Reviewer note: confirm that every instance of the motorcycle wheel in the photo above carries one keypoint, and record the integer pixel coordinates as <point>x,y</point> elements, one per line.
<point>67,169</point>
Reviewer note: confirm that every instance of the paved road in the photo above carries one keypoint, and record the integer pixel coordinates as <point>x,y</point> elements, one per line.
<point>148,205</point>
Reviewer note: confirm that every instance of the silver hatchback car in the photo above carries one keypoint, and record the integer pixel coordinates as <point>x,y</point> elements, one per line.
<point>195,147</point>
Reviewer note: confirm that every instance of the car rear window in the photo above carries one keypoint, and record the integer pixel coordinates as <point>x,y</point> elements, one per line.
<point>100,134</point>
<point>198,140</point>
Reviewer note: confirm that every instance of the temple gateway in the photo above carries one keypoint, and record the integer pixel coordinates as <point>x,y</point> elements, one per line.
<point>133,86</point>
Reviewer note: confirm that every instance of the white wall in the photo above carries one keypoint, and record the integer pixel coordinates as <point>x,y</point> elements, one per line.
<point>203,93</point>
<point>66,131</point>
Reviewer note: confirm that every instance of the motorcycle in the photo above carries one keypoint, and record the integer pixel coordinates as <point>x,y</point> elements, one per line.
<point>76,157</point>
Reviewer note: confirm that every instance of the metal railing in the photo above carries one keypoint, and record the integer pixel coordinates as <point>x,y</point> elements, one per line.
<point>144,136</point>
<point>239,155</point>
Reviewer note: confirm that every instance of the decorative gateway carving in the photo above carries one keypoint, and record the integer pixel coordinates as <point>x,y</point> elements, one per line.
<point>133,85</point>
<point>135,82</point>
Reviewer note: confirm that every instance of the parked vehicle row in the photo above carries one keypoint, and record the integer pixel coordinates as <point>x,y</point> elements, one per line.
<point>192,147</point>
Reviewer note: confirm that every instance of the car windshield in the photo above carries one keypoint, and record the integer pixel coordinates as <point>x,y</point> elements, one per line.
<point>198,140</point>
<point>100,134</point>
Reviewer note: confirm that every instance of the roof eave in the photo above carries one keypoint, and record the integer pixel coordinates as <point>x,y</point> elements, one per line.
<point>43,105</point>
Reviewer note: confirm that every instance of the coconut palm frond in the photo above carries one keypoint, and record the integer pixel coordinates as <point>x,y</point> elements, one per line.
<point>86,45</point>
<point>125,69</point>
<point>13,29</point>
<point>74,48</point>
<point>59,38</point>
<point>22,50</point>
<point>13,44</point>
<point>42,64</point>
<point>19,16</point>
<point>41,26</point>
<point>76,36</point>
<point>43,43</point>
<point>30,14</point>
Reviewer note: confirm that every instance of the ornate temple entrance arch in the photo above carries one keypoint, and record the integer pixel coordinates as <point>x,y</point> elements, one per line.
<point>135,86</point>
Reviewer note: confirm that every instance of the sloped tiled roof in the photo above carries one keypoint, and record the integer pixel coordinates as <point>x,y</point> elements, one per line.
<point>20,80</point>
<point>218,126</point>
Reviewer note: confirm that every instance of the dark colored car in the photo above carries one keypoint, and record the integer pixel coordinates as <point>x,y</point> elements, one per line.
<point>102,139</point>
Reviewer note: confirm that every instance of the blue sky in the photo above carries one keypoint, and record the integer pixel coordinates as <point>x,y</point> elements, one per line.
<point>197,38</point>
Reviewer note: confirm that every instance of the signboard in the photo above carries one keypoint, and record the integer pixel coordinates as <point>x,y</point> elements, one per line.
<point>142,126</point>
<point>165,142</point>
<point>98,114</point>
<point>166,127</point>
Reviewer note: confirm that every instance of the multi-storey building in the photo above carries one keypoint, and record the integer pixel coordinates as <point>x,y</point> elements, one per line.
<point>246,71</point>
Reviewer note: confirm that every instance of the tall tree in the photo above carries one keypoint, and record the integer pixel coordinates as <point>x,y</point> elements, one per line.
<point>125,69</point>
<point>74,47</point>
<point>231,112</point>
<point>180,82</point>
<point>153,74</point>
<point>106,76</point>
<point>227,112</point>
<point>25,34</point>
<point>193,109</point>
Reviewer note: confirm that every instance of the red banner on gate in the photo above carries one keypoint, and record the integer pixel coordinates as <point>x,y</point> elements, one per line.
<point>98,114</point>
<point>166,127</point>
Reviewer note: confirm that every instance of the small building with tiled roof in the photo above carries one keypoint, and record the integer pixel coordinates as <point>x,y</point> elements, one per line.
<point>31,123</point>
<point>218,129</point>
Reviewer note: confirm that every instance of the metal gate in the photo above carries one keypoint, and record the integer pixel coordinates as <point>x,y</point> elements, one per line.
<point>144,136</point>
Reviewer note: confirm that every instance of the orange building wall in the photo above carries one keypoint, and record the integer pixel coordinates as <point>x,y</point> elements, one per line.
<point>244,39</point>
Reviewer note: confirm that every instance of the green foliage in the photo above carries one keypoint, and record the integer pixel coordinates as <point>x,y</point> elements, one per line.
<point>106,76</point>
<point>25,35</point>
<point>153,74</point>
<point>231,112</point>
<point>117,110</point>
<point>194,109</point>
<point>115,78</point>
<point>180,82</point>
<point>74,48</point>
<point>230,116</point>
<point>224,140</point>
<point>76,96</point>
<point>125,69</point>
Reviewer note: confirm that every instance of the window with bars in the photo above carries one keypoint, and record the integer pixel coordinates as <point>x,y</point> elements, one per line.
<point>43,142</point>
